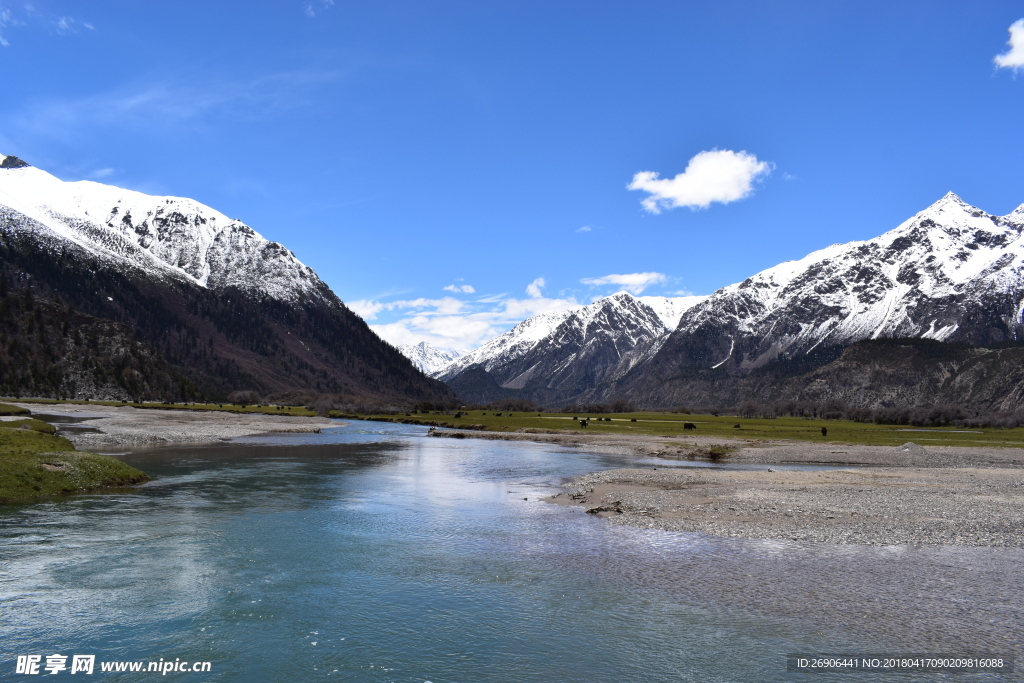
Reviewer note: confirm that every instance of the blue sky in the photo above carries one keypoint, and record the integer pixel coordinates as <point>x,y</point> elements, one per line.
<point>402,148</point>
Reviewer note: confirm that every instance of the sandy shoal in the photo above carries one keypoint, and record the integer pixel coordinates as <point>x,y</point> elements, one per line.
<point>876,495</point>
<point>133,427</point>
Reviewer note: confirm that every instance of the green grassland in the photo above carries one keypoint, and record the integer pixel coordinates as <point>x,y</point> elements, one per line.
<point>650,423</point>
<point>724,426</point>
<point>35,463</point>
<point>6,410</point>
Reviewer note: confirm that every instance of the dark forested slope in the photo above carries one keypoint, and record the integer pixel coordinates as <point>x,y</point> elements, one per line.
<point>214,341</point>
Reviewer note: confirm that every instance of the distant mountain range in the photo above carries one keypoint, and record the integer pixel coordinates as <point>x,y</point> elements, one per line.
<point>111,293</point>
<point>427,358</point>
<point>952,273</point>
<point>226,308</point>
<point>555,356</point>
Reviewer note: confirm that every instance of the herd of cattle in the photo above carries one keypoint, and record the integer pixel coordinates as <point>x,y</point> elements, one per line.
<point>584,422</point>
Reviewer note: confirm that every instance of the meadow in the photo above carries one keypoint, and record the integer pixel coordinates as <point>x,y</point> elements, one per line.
<point>36,463</point>
<point>723,426</point>
<point>642,423</point>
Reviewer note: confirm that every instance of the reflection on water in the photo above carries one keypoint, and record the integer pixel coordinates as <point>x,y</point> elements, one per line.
<point>372,553</point>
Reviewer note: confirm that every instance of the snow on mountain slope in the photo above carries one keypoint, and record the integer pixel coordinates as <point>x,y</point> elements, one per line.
<point>648,317</point>
<point>165,236</point>
<point>513,344</point>
<point>427,358</point>
<point>671,309</point>
<point>554,357</point>
<point>950,273</point>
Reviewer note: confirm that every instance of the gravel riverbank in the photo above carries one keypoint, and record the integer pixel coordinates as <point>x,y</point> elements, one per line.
<point>869,505</point>
<point>121,427</point>
<point>894,496</point>
<point>884,495</point>
<point>748,452</point>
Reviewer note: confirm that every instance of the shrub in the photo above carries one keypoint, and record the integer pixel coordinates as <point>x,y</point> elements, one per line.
<point>243,398</point>
<point>513,404</point>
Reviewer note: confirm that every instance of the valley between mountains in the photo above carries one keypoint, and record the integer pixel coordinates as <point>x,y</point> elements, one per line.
<point>111,293</point>
<point>930,312</point>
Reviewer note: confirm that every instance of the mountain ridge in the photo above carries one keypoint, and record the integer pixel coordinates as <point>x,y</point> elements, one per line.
<point>228,309</point>
<point>951,272</point>
<point>559,354</point>
<point>428,358</point>
<point>928,277</point>
<point>176,235</point>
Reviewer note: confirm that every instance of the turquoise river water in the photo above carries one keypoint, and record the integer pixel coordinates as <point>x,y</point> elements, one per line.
<point>373,553</point>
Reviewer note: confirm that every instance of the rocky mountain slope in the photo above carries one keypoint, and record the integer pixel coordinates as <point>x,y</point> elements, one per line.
<point>906,373</point>
<point>952,273</point>
<point>557,355</point>
<point>164,236</point>
<point>225,307</point>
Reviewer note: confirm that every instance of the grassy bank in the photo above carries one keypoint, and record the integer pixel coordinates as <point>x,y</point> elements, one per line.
<point>648,423</point>
<point>35,463</point>
<point>6,410</point>
<point>752,429</point>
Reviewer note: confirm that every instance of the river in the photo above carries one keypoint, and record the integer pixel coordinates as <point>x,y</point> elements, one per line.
<point>373,553</point>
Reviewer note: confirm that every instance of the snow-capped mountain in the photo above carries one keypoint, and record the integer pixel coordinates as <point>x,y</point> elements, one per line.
<point>950,273</point>
<point>671,308</point>
<point>506,348</point>
<point>227,309</point>
<point>163,236</point>
<point>554,355</point>
<point>427,358</point>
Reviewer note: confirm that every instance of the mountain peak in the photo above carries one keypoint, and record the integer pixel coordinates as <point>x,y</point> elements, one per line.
<point>948,210</point>
<point>950,200</point>
<point>12,161</point>
<point>163,236</point>
<point>428,358</point>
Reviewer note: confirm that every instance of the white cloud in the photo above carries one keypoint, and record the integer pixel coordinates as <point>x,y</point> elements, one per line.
<point>453,324</point>
<point>311,8</point>
<point>102,173</point>
<point>438,332</point>
<point>7,19</point>
<point>1014,57</point>
<point>30,15</point>
<point>158,105</point>
<point>69,25</point>
<point>720,175</point>
<point>634,283</point>
<point>366,309</point>
<point>465,289</point>
<point>585,228</point>
<point>517,310</point>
